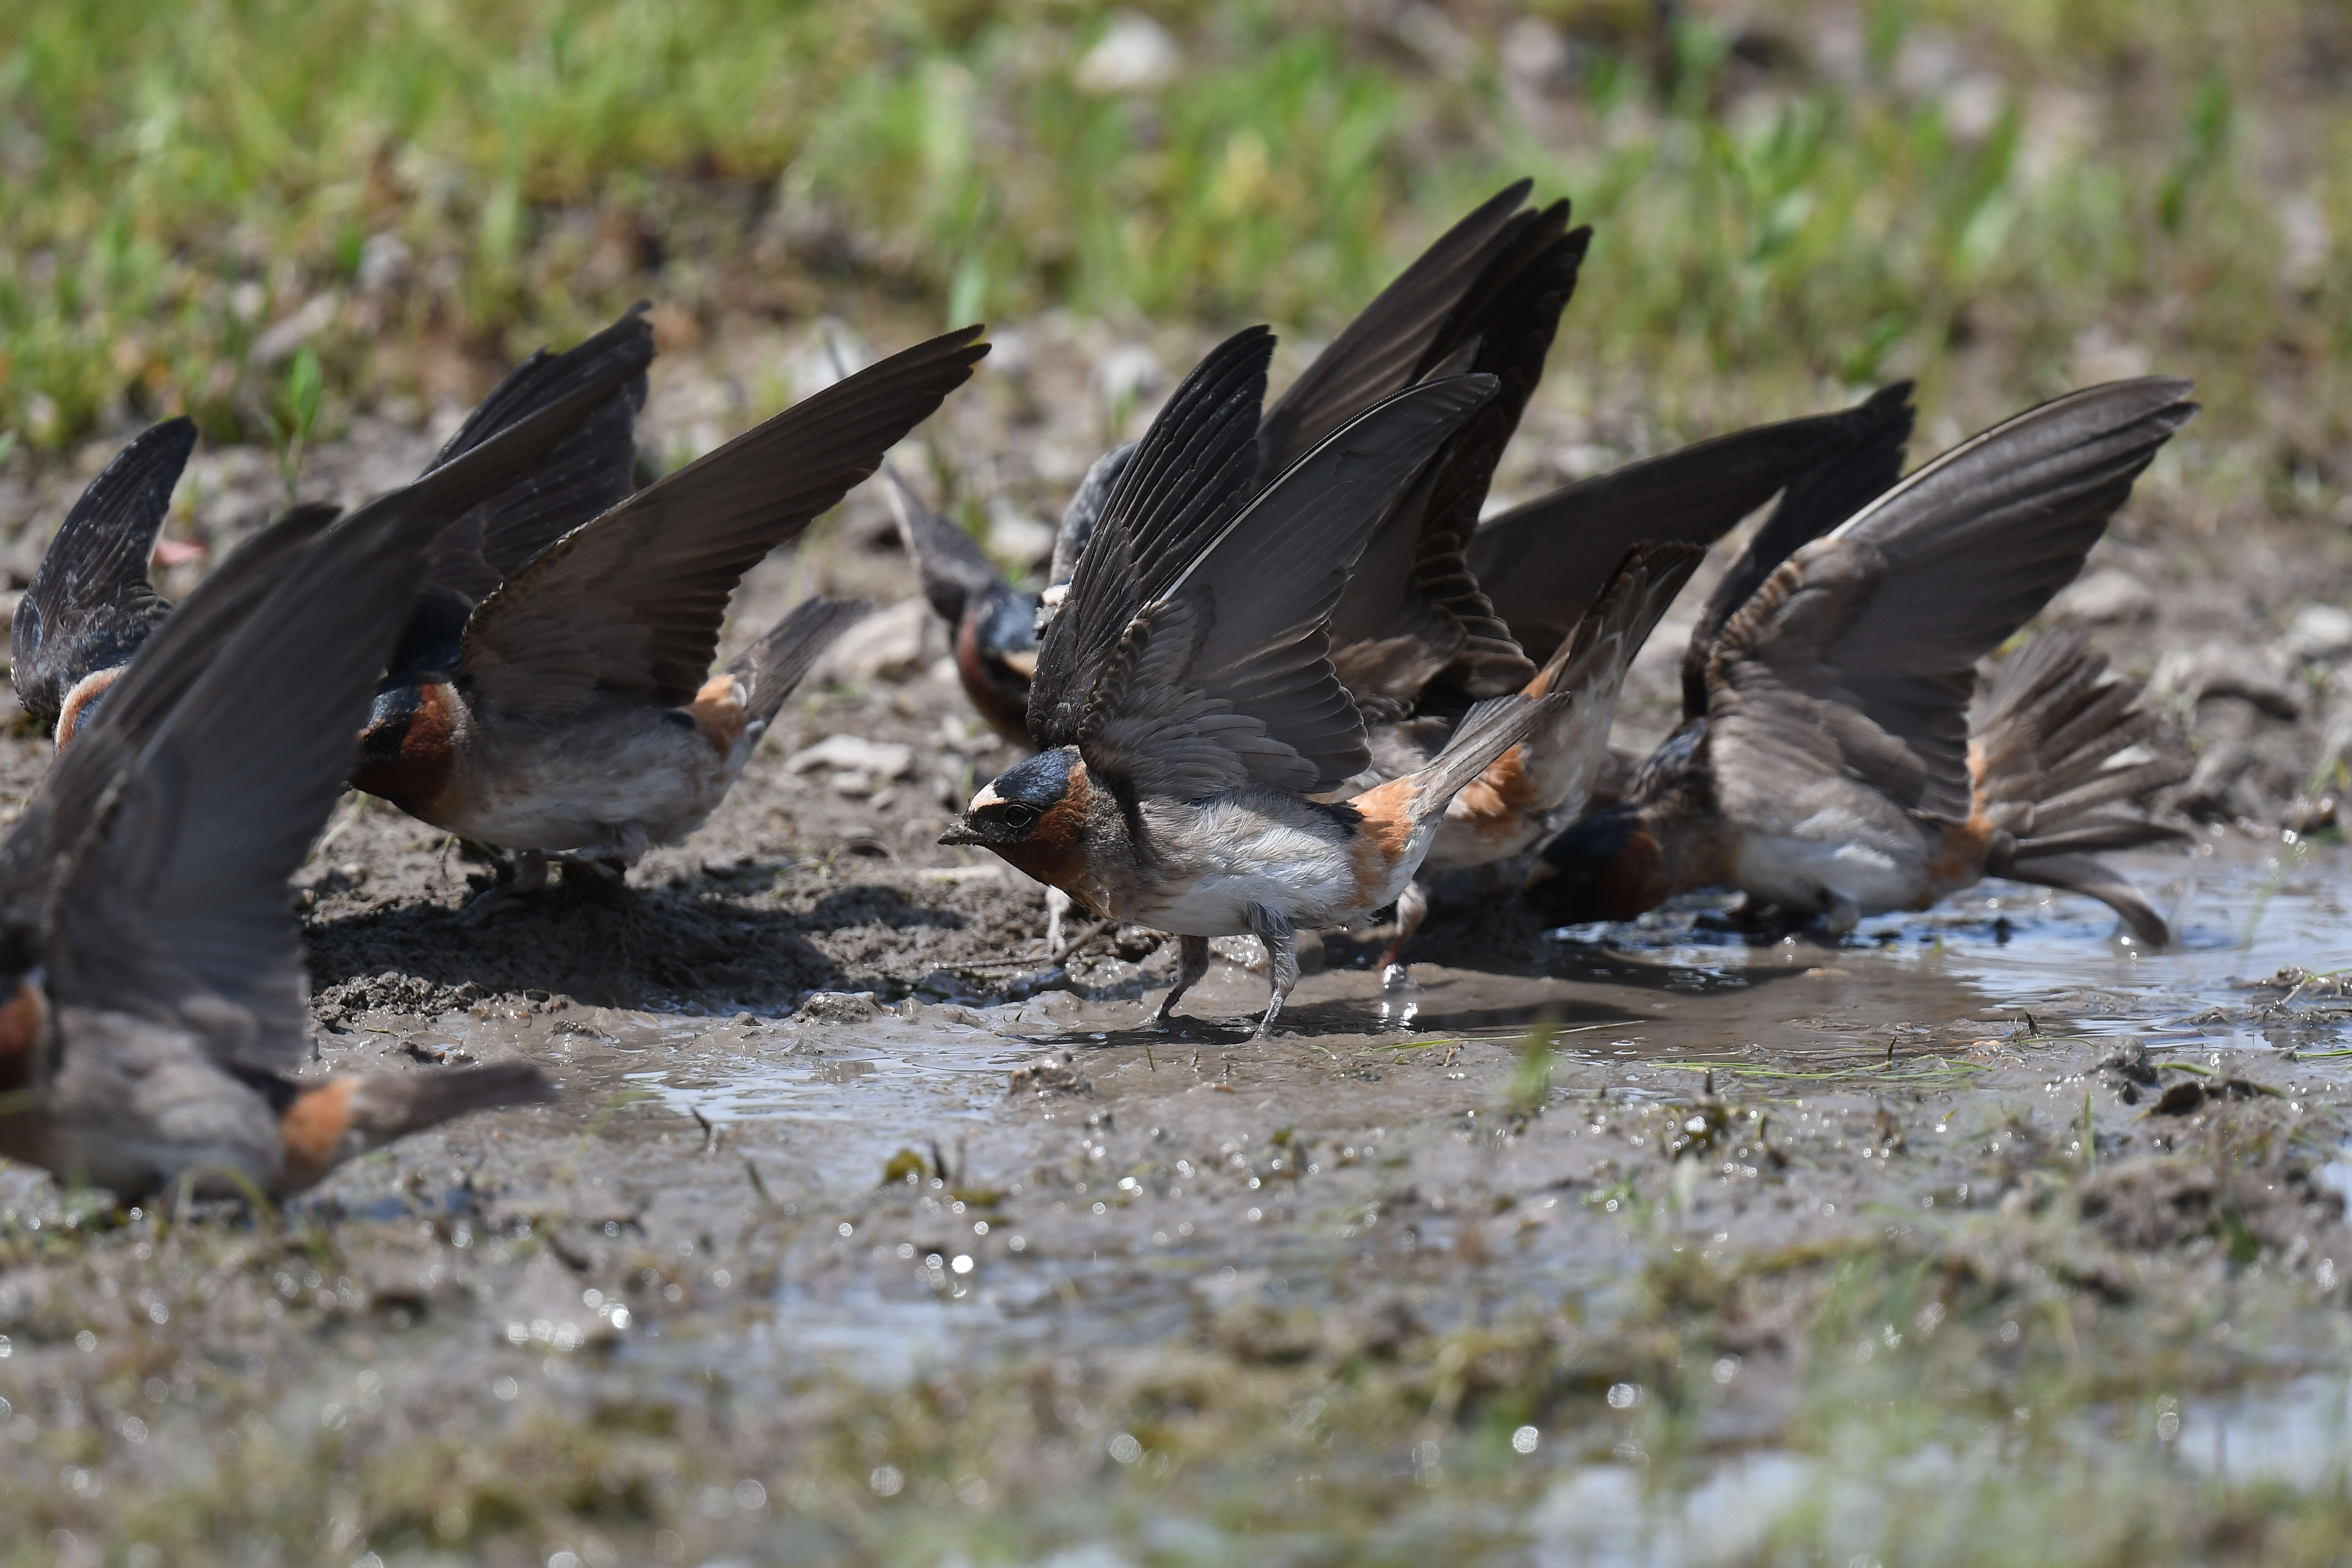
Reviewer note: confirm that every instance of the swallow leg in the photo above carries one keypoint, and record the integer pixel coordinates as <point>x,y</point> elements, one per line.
<point>1413,907</point>
<point>1273,929</point>
<point>1842,916</point>
<point>528,875</point>
<point>1192,962</point>
<point>1057,909</point>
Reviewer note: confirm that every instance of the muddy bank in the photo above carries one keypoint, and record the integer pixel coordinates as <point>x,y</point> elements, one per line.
<point>841,1279</point>
<point>863,1234</point>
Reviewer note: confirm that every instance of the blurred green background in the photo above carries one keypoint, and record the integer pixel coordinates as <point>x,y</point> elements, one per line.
<point>2002,198</point>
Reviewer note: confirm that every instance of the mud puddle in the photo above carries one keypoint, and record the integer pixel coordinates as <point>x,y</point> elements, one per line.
<point>1059,1168</point>
<point>1660,1248</point>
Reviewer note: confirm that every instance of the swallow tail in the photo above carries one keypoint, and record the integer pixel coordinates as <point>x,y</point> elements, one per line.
<point>1486,732</point>
<point>955,569</point>
<point>323,1124</point>
<point>1587,670</point>
<point>770,668</point>
<point>2095,878</point>
<point>385,1106</point>
<point>2054,765</point>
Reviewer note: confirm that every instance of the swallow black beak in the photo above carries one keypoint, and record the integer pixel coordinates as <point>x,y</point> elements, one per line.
<point>959,831</point>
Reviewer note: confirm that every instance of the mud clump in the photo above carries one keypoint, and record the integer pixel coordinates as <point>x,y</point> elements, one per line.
<point>2238,1181</point>
<point>1049,1075</point>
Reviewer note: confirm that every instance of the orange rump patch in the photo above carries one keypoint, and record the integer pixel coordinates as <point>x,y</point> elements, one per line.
<point>22,1023</point>
<point>718,711</point>
<point>1960,855</point>
<point>314,1125</point>
<point>1493,801</point>
<point>1386,831</point>
<point>85,690</point>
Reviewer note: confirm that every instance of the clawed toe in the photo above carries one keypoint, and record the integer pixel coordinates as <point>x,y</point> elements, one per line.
<point>490,904</point>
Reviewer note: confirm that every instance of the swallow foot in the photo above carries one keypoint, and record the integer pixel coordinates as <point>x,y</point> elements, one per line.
<point>1273,927</point>
<point>1058,910</point>
<point>1192,962</point>
<point>1412,908</point>
<point>1396,977</point>
<point>525,875</point>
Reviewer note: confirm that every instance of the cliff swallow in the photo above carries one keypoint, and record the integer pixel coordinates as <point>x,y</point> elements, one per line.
<point>991,627</point>
<point>90,605</point>
<point>156,1016</point>
<point>1185,702</point>
<point>1536,786</point>
<point>1418,634</point>
<point>1484,297</point>
<point>1826,765</point>
<point>576,710</point>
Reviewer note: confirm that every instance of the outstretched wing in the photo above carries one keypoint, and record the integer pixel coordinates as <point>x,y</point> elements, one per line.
<point>1413,613</point>
<point>89,604</point>
<point>633,601</point>
<point>1184,482</point>
<point>590,471</point>
<point>1086,509</point>
<point>954,568</point>
<point>1542,563</point>
<point>1878,627</point>
<point>1224,676</point>
<point>1394,341</point>
<point>1833,489</point>
<point>172,899</point>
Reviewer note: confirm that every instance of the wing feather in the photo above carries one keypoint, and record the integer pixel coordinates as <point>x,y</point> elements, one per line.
<point>1185,481</point>
<point>201,784</point>
<point>1224,675</point>
<point>1881,622</point>
<point>633,601</point>
<point>1542,563</point>
<point>89,604</point>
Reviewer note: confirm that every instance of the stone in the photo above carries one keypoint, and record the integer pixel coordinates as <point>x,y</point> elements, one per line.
<point>891,644</point>
<point>853,754</point>
<point>2320,632</point>
<point>2104,598</point>
<point>1135,53</point>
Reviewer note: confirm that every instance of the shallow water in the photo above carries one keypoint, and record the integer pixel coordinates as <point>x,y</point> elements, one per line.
<point>2007,992</point>
<point>869,1193</point>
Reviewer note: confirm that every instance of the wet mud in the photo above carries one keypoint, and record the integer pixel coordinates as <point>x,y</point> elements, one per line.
<point>863,1233</point>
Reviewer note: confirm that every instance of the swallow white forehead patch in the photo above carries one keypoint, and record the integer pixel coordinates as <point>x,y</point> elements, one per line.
<point>986,798</point>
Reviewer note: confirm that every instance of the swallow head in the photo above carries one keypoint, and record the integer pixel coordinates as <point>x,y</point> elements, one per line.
<point>1005,632</point>
<point>1030,814</point>
<point>996,656</point>
<point>404,748</point>
<point>1607,867</point>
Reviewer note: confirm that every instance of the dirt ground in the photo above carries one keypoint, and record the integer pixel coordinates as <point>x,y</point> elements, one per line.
<point>863,1234</point>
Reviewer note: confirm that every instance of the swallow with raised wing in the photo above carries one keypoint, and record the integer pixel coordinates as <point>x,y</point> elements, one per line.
<point>1185,702</point>
<point>90,605</point>
<point>575,712</point>
<point>156,1019</point>
<point>1826,765</point>
<point>1481,272</point>
<point>1418,634</point>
